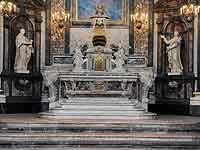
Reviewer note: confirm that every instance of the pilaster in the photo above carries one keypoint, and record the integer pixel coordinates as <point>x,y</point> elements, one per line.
<point>1,45</point>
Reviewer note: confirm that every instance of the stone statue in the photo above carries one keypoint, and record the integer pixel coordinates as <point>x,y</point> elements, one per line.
<point>100,17</point>
<point>78,60</point>
<point>24,49</point>
<point>100,10</point>
<point>173,51</point>
<point>120,58</point>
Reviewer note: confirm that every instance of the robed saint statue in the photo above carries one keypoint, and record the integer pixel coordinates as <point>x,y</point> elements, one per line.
<point>173,51</point>
<point>24,49</point>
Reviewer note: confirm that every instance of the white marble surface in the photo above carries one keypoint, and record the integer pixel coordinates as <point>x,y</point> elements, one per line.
<point>195,101</point>
<point>195,48</point>
<point>2,99</point>
<point>43,44</point>
<point>50,75</point>
<point>114,36</point>
<point>147,77</point>
<point>155,45</point>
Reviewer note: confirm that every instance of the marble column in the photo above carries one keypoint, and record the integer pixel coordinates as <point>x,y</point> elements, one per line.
<point>43,41</point>
<point>195,49</point>
<point>195,101</point>
<point>67,29</point>
<point>38,21</point>
<point>1,46</point>
<point>2,97</point>
<point>155,45</point>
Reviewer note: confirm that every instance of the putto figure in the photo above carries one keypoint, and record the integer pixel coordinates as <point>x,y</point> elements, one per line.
<point>173,51</point>
<point>120,59</point>
<point>24,49</point>
<point>100,10</point>
<point>78,59</point>
<point>100,17</point>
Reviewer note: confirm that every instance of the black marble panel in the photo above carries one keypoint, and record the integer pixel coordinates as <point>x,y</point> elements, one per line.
<point>136,60</point>
<point>62,60</point>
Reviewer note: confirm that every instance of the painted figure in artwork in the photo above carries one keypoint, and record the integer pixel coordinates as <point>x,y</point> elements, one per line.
<point>173,51</point>
<point>24,50</point>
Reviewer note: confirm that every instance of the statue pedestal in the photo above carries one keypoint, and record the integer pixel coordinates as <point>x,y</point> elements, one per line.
<point>174,73</point>
<point>195,104</point>
<point>2,97</point>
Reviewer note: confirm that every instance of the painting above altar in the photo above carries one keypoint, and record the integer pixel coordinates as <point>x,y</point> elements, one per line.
<point>115,9</point>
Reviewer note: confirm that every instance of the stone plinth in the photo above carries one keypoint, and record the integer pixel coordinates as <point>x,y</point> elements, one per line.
<point>195,104</point>
<point>2,99</point>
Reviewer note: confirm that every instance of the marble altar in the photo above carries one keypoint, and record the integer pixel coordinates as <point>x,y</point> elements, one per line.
<point>100,83</point>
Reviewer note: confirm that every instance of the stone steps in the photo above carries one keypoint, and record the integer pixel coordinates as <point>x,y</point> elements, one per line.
<point>108,140</point>
<point>98,103</point>
<point>96,125</point>
<point>90,115</point>
<point>79,107</point>
<point>98,112</point>
<point>107,134</point>
<point>99,98</point>
<point>94,100</point>
<point>98,108</point>
<point>87,148</point>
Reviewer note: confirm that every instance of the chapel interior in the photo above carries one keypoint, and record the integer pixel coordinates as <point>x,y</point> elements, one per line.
<point>99,74</point>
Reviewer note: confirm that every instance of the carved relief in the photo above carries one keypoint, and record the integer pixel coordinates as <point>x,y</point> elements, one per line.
<point>120,59</point>
<point>57,27</point>
<point>122,87</point>
<point>141,29</point>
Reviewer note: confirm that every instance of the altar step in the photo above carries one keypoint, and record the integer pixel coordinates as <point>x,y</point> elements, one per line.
<point>97,103</point>
<point>99,99</point>
<point>98,108</point>
<point>98,113</point>
<point>106,140</point>
<point>117,98</point>
<point>168,133</point>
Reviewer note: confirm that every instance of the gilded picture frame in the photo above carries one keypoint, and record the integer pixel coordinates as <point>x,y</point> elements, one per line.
<point>83,9</point>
